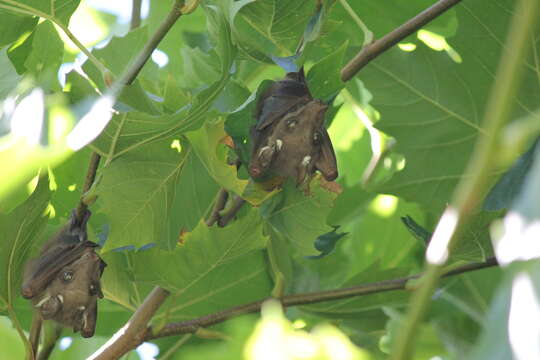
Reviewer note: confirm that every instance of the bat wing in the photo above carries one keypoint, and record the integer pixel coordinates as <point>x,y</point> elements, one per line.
<point>282,97</point>
<point>326,163</point>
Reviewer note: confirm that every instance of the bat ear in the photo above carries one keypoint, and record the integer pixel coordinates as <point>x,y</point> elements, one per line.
<point>301,74</point>
<point>326,163</point>
<point>76,227</point>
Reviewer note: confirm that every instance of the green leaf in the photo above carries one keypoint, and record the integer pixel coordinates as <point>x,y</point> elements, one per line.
<point>241,281</point>
<point>298,216</point>
<point>68,179</point>
<point>416,230</point>
<point>140,191</point>
<point>59,9</point>
<point>207,144</point>
<point>511,182</point>
<point>117,56</point>
<point>360,304</point>
<point>15,26</point>
<point>45,58</point>
<point>433,106</point>
<point>324,78</point>
<point>514,305</point>
<point>203,250</point>
<point>268,27</point>
<point>428,343</point>
<point>9,77</point>
<point>20,229</point>
<point>129,132</point>
<point>12,346</point>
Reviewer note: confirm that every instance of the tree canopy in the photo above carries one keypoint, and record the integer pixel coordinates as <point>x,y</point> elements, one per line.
<point>146,121</point>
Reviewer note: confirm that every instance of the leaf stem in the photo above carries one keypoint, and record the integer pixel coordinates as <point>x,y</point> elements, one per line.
<point>191,326</point>
<point>376,48</point>
<point>469,191</point>
<point>33,336</point>
<point>368,34</point>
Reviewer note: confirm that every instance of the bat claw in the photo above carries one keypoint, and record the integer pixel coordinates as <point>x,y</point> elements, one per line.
<point>306,160</point>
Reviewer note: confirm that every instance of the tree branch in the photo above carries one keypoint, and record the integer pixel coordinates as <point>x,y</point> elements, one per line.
<point>469,191</point>
<point>151,45</point>
<point>191,326</point>
<point>132,334</point>
<point>90,177</point>
<point>371,51</point>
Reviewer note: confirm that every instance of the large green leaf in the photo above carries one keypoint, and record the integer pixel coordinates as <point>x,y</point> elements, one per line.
<point>130,131</point>
<point>10,79</point>
<point>14,26</point>
<point>20,230</point>
<point>510,322</point>
<point>207,143</point>
<point>117,56</point>
<point>140,191</point>
<point>59,9</point>
<point>433,106</point>
<point>268,27</point>
<point>300,216</point>
<point>209,266</point>
<point>239,282</point>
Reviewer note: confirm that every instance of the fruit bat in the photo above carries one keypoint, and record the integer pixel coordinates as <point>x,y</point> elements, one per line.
<point>289,138</point>
<point>64,282</point>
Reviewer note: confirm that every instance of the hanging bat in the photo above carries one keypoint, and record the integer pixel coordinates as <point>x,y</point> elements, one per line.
<point>64,282</point>
<point>289,139</point>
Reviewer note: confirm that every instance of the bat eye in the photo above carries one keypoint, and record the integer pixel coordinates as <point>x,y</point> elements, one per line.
<point>67,276</point>
<point>93,289</point>
<point>317,138</point>
<point>291,123</point>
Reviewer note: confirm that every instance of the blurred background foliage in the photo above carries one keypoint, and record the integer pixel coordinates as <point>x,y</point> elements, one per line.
<point>403,130</point>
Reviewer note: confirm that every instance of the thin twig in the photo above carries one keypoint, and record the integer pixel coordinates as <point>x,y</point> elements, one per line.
<point>371,51</point>
<point>191,326</point>
<point>135,14</point>
<point>50,342</point>
<point>33,337</point>
<point>237,204</point>
<point>221,200</point>
<point>152,44</point>
<point>89,181</point>
<point>469,191</point>
<point>133,332</point>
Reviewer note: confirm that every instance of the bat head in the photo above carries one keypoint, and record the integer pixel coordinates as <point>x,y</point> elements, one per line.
<point>290,139</point>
